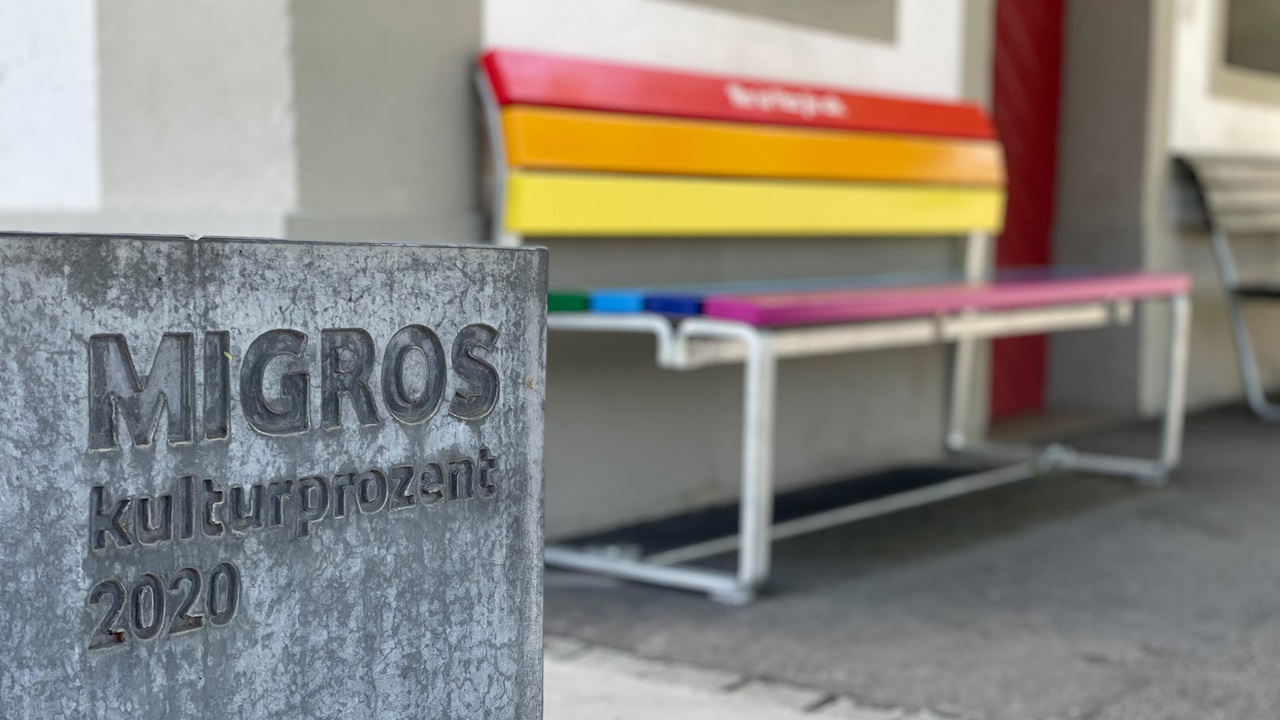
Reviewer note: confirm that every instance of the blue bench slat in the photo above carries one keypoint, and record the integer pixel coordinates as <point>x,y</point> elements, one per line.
<point>636,299</point>
<point>616,301</point>
<point>674,304</point>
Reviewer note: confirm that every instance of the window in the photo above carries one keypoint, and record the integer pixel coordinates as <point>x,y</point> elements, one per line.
<point>1253,35</point>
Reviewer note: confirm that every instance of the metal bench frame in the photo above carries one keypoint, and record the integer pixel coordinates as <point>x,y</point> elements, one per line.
<point>1254,392</point>
<point>700,342</point>
<point>703,342</point>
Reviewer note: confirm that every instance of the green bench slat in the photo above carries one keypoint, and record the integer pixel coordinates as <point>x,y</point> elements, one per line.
<point>567,301</point>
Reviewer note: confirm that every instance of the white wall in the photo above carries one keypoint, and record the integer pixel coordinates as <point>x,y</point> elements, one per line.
<point>48,105</point>
<point>1201,119</point>
<point>197,105</point>
<point>926,59</point>
<point>146,116</point>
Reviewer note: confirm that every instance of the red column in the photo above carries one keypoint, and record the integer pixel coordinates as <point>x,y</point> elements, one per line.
<point>1026,93</point>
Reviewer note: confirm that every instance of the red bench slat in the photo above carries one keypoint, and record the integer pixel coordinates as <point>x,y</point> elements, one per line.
<point>785,309</point>
<point>537,79</point>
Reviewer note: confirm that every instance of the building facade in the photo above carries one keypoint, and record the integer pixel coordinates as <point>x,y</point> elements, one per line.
<point>330,119</point>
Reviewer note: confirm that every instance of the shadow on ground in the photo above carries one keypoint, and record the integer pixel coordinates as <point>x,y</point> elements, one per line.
<point>1063,597</point>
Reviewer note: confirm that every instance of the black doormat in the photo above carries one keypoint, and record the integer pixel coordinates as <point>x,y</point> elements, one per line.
<point>722,520</point>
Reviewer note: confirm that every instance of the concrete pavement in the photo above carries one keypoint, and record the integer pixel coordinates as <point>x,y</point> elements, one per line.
<point>1063,597</point>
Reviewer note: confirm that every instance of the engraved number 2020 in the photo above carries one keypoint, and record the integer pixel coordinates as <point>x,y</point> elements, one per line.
<point>143,609</point>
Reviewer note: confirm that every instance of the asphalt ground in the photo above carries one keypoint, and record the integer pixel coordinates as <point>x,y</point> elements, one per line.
<point>1067,596</point>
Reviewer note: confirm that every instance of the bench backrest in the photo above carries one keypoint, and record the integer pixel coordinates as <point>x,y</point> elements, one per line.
<point>604,149</point>
<point>1238,194</point>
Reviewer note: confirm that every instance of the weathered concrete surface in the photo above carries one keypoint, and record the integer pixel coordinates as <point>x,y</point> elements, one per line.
<point>400,597</point>
<point>1065,597</point>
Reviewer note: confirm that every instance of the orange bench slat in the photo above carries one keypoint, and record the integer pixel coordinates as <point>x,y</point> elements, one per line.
<point>553,138</point>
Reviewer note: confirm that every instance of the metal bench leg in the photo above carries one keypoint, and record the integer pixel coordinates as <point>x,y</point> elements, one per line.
<point>754,536</point>
<point>760,381</point>
<point>1055,456</point>
<point>963,356</point>
<point>1254,392</point>
<point>1175,391</point>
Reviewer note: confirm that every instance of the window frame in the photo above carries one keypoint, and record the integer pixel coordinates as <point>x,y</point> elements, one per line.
<point>1237,81</point>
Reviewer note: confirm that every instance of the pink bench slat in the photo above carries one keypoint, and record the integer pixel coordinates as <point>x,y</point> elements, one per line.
<point>784,309</point>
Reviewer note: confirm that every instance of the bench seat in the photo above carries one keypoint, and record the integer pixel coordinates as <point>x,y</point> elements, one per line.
<point>855,299</point>
<point>811,308</point>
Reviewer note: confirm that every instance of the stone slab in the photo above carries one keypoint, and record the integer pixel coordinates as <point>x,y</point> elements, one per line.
<point>582,690</point>
<point>684,675</point>
<point>259,479</point>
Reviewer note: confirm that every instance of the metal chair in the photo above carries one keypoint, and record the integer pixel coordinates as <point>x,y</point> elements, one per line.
<point>1239,196</point>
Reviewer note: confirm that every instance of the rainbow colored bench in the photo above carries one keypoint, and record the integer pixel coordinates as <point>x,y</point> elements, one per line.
<point>583,148</point>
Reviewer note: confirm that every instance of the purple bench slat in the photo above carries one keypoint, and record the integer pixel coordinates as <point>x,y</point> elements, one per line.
<point>814,308</point>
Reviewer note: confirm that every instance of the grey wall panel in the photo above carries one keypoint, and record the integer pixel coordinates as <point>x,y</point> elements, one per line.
<point>386,130</point>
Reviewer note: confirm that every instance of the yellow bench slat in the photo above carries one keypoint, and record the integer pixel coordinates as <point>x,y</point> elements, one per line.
<point>555,203</point>
<point>551,138</point>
